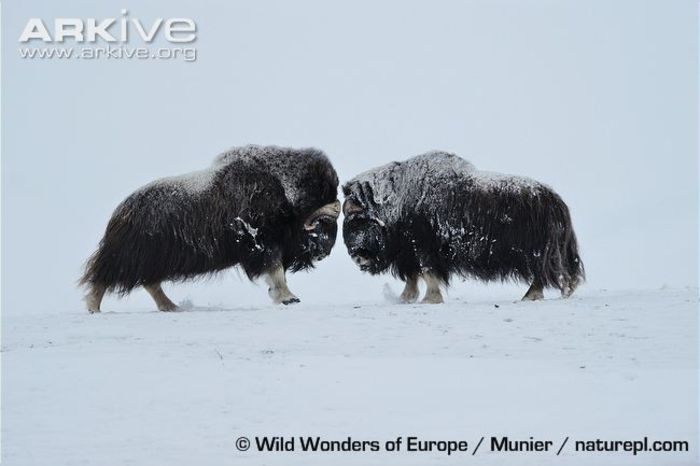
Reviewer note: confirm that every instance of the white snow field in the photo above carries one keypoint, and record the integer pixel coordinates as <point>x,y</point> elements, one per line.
<point>150,388</point>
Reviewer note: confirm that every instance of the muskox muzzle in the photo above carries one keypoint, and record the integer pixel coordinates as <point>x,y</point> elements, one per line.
<point>365,237</point>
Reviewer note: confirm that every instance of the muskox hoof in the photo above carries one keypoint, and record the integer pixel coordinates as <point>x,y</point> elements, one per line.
<point>171,307</point>
<point>283,297</point>
<point>566,292</point>
<point>94,298</point>
<point>533,297</point>
<point>433,298</point>
<point>409,298</point>
<point>533,294</point>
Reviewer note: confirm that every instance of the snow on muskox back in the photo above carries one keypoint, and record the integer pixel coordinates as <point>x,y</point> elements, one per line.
<point>267,209</point>
<point>435,215</point>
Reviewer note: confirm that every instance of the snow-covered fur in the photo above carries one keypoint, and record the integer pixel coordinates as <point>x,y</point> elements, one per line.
<point>249,208</point>
<point>436,214</point>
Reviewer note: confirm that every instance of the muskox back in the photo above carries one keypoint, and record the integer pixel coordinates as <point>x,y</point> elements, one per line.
<point>440,214</point>
<point>249,208</point>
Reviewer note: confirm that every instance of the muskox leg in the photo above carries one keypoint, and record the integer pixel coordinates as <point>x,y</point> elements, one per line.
<point>432,294</point>
<point>278,290</point>
<point>162,301</point>
<point>535,292</point>
<point>94,298</point>
<point>410,291</point>
<point>569,289</point>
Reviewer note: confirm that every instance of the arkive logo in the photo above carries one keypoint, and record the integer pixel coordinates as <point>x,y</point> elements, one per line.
<point>111,30</point>
<point>122,38</point>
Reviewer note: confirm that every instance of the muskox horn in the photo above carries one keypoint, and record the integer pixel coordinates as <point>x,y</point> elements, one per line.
<point>331,210</point>
<point>351,207</point>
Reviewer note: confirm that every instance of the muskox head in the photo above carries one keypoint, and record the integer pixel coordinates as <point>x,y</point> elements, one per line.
<point>366,237</point>
<point>319,231</point>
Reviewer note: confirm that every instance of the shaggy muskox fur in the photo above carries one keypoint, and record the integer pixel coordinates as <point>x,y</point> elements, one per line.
<point>435,215</point>
<point>267,209</point>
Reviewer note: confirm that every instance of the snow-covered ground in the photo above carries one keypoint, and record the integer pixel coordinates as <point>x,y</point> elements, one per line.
<point>149,388</point>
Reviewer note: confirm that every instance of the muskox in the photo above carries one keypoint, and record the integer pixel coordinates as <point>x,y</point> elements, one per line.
<point>267,209</point>
<point>434,216</point>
